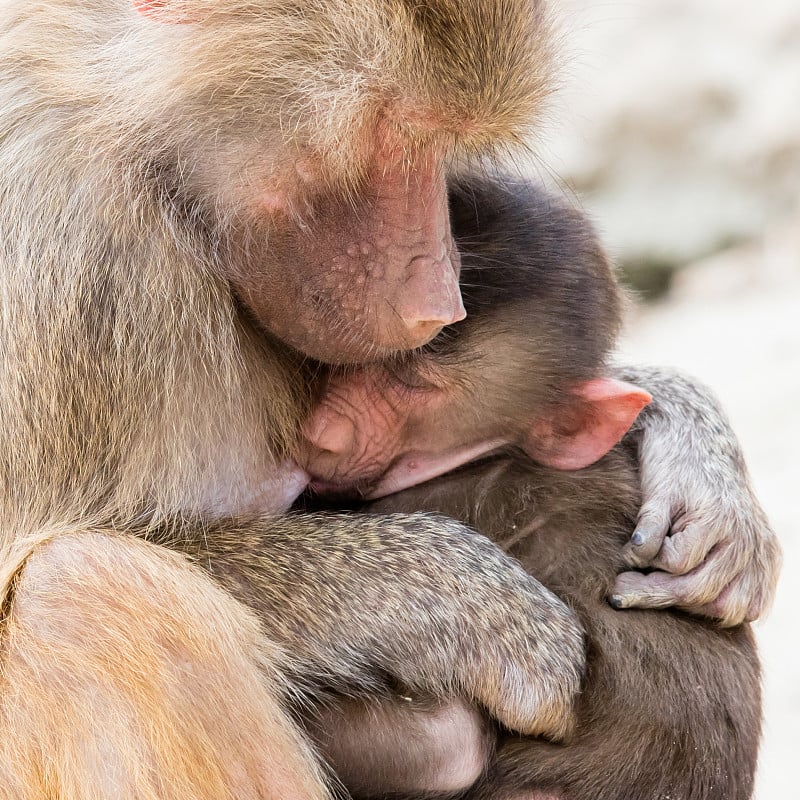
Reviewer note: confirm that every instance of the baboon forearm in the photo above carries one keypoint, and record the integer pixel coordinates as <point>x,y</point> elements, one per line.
<point>418,598</point>
<point>684,432</point>
<point>686,413</point>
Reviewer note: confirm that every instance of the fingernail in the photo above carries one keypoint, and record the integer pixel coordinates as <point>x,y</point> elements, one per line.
<point>617,600</point>
<point>637,538</point>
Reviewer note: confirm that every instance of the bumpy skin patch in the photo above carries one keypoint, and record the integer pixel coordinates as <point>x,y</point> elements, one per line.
<point>363,276</point>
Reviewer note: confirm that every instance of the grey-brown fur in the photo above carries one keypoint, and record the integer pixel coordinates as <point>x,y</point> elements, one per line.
<point>540,293</point>
<point>670,706</point>
<point>540,290</point>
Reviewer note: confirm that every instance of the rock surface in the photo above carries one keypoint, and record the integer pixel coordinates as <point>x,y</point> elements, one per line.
<point>679,121</point>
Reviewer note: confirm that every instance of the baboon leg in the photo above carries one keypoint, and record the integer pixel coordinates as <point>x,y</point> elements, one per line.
<point>128,674</point>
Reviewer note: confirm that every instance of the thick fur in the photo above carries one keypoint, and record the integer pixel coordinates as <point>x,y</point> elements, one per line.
<point>129,377</point>
<point>472,648</point>
<point>137,395</point>
<point>537,284</point>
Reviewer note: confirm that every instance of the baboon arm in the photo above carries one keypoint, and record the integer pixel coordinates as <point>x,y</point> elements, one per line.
<point>721,558</point>
<point>419,599</point>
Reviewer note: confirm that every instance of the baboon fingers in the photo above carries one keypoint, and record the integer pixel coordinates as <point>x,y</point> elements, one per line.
<point>711,567</point>
<point>691,591</point>
<point>637,590</point>
<point>651,529</point>
<point>744,599</point>
<point>729,608</point>
<point>686,549</point>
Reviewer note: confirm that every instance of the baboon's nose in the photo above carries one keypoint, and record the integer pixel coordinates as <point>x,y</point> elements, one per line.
<point>431,298</point>
<point>423,325</point>
<point>422,331</point>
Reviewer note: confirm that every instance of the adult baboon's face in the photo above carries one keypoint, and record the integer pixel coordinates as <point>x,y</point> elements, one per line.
<point>315,139</point>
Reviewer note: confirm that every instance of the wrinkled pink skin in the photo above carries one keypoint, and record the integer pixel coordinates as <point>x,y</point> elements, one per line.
<point>374,435</point>
<point>361,277</point>
<point>361,428</point>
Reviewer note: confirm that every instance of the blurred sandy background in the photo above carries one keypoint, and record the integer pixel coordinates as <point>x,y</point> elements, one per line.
<point>678,127</point>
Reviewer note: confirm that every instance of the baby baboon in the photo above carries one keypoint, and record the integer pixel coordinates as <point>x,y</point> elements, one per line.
<point>544,311</point>
<point>527,368</point>
<point>196,197</point>
<point>670,705</point>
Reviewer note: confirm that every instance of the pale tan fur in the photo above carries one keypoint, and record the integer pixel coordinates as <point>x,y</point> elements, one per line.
<point>175,699</point>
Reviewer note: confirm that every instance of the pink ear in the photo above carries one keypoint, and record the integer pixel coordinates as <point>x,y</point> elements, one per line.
<point>603,414</point>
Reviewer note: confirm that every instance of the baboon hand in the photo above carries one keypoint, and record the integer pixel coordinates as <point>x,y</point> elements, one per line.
<point>713,561</point>
<point>700,527</point>
<point>466,619</point>
<point>522,654</point>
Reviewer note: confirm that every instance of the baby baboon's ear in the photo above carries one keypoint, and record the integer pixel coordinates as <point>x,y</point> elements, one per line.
<point>572,438</point>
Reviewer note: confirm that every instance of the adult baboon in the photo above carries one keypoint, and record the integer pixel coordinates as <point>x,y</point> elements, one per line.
<point>196,196</point>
